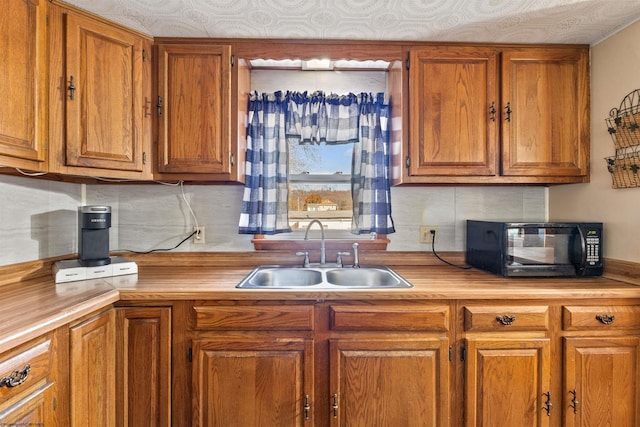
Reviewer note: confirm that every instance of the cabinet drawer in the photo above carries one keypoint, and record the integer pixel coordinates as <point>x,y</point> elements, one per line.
<point>263,317</point>
<point>601,317</point>
<point>397,318</point>
<point>506,318</point>
<point>25,367</point>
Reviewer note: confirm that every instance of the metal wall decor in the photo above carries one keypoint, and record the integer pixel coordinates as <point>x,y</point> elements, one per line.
<point>624,127</point>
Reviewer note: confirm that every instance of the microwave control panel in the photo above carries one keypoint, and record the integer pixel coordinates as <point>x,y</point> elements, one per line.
<point>593,247</point>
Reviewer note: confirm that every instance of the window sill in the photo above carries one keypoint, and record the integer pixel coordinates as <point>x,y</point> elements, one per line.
<point>260,243</point>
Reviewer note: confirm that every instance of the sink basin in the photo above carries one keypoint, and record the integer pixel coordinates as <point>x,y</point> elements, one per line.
<point>323,278</point>
<point>284,277</point>
<point>364,277</point>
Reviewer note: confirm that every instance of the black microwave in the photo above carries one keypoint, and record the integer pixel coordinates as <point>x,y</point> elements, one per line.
<point>535,248</point>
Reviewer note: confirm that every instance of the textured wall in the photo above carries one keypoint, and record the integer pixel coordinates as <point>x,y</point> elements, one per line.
<point>614,73</point>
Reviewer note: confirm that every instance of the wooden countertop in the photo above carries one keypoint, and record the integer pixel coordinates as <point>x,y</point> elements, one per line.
<point>431,282</point>
<point>33,307</point>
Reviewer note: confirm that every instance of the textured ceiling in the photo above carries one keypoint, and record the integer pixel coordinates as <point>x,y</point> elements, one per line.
<point>506,21</point>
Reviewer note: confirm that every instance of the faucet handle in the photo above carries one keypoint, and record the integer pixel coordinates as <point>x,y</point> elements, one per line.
<point>305,263</point>
<point>339,259</point>
<point>356,262</point>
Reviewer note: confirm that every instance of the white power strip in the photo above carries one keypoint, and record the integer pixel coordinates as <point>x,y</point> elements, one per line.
<point>72,271</point>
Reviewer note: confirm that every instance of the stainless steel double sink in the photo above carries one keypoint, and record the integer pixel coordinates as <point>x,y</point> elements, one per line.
<point>323,278</point>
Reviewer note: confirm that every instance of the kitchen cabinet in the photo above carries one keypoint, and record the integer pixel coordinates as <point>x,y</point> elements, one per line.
<point>23,83</point>
<point>28,384</point>
<point>100,97</point>
<point>253,365</point>
<point>92,382</point>
<point>194,113</point>
<point>498,115</point>
<point>507,366</point>
<point>602,366</point>
<point>343,364</point>
<point>143,361</point>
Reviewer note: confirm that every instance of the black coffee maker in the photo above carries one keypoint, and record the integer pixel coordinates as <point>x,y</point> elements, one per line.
<point>93,235</point>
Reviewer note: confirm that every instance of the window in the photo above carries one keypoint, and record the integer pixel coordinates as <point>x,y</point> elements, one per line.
<point>319,176</point>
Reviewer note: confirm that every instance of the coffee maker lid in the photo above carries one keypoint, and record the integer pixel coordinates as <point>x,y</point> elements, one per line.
<point>95,209</point>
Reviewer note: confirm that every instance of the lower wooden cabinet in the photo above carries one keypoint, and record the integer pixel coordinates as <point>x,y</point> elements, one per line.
<point>245,383</point>
<point>28,387</point>
<point>353,364</point>
<point>92,371</point>
<point>395,382</point>
<point>508,382</point>
<point>143,360</point>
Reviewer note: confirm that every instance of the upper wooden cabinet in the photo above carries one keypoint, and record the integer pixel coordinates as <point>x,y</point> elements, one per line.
<point>194,112</point>
<point>452,129</point>
<point>100,112</point>
<point>497,115</point>
<point>23,84</point>
<point>545,112</point>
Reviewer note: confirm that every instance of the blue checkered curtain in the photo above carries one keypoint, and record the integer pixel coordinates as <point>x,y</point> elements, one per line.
<point>322,118</point>
<point>370,183</point>
<point>264,203</point>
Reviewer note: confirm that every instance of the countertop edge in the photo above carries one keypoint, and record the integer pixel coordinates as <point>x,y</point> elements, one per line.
<point>35,329</point>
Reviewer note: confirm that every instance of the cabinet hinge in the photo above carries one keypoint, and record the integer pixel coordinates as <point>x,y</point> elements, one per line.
<point>190,354</point>
<point>463,354</point>
<point>233,60</point>
<point>55,403</point>
<point>144,55</point>
<point>450,354</point>
<point>144,157</point>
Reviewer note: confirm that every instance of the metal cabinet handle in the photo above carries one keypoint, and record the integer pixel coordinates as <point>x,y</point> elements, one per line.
<point>335,406</point>
<point>159,105</point>
<point>16,378</point>
<point>605,319</point>
<point>547,404</point>
<point>307,407</point>
<point>574,401</point>
<point>72,88</point>
<point>506,319</point>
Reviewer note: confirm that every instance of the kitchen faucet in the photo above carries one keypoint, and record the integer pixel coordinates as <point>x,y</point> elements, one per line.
<point>323,256</point>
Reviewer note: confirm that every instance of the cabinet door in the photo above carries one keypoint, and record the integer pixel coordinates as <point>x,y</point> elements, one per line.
<point>23,83</point>
<point>602,382</point>
<point>507,381</point>
<point>453,92</point>
<point>92,379</point>
<point>545,112</point>
<point>104,95</point>
<point>389,382</point>
<point>253,384</point>
<point>194,110</point>
<point>143,371</point>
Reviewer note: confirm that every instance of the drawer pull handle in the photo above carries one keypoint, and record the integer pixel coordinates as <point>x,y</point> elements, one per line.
<point>506,320</point>
<point>16,378</point>
<point>605,319</point>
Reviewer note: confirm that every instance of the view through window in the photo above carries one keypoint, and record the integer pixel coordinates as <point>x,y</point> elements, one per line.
<point>319,185</point>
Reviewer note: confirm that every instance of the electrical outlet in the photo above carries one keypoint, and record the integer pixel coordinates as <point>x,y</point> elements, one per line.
<point>425,233</point>
<point>198,238</point>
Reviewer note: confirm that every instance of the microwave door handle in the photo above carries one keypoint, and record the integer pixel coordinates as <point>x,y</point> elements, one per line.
<point>583,247</point>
